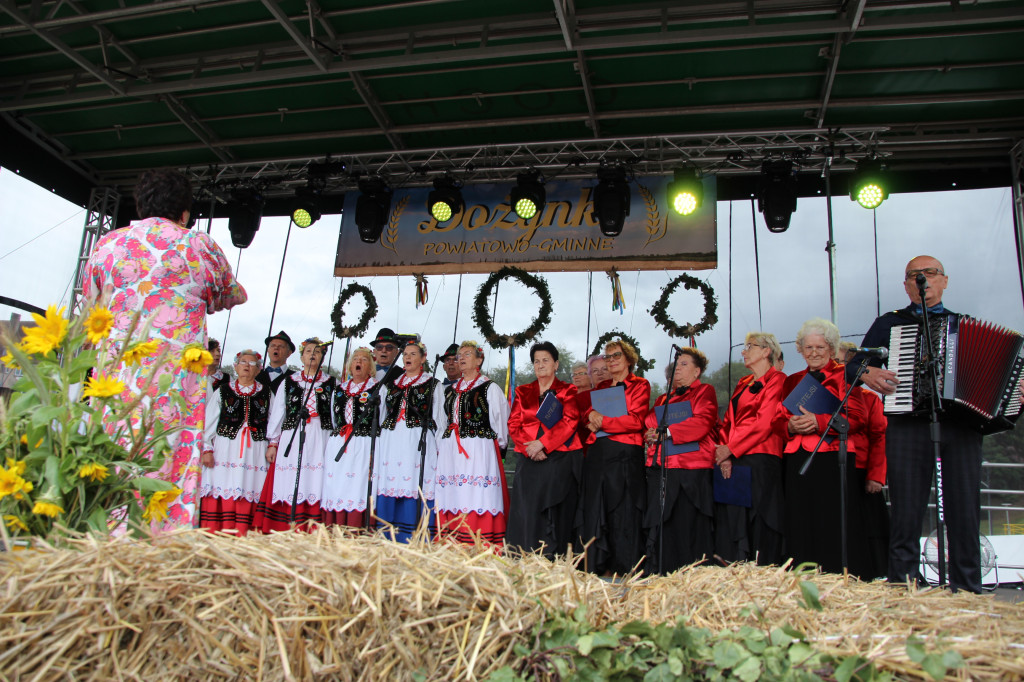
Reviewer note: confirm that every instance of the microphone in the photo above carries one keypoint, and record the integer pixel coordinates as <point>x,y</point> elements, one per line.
<point>922,281</point>
<point>881,352</point>
<point>677,348</point>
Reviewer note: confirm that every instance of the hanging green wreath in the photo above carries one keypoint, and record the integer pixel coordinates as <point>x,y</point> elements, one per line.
<point>482,316</point>
<point>660,309</point>
<point>641,364</point>
<point>340,330</point>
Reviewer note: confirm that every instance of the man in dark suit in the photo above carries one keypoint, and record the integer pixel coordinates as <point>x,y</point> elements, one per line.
<point>450,361</point>
<point>910,455</point>
<point>385,350</point>
<point>279,349</point>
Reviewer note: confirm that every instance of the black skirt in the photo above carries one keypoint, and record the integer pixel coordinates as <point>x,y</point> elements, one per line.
<point>611,508</point>
<point>688,518</point>
<point>543,501</point>
<point>813,513</point>
<point>754,533</point>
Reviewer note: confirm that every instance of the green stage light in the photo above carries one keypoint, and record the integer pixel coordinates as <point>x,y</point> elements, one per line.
<point>868,187</point>
<point>445,201</point>
<point>527,197</point>
<point>686,191</point>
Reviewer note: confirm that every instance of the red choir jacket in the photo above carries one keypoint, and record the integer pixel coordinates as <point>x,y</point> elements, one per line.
<point>747,425</point>
<point>523,424</point>
<point>699,427</point>
<point>835,383</point>
<point>629,428</point>
<point>582,432</point>
<point>871,440</point>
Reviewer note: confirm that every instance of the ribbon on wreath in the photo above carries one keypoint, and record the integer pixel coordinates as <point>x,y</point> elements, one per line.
<point>510,376</point>
<point>618,300</point>
<point>421,290</point>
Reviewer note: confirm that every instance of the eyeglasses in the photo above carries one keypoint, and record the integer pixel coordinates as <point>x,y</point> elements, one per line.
<point>753,345</point>
<point>927,272</point>
<point>385,346</point>
<point>580,373</point>
<point>613,356</point>
<point>251,363</point>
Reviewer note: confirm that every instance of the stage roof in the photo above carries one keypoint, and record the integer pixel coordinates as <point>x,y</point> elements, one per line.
<point>94,91</point>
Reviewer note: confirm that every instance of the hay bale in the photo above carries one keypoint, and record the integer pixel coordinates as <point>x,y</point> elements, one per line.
<point>330,604</point>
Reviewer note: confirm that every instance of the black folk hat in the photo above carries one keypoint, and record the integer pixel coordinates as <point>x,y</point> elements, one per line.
<point>452,351</point>
<point>385,335</point>
<point>281,336</point>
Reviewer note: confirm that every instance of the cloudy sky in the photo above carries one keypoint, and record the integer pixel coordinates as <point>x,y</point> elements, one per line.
<point>971,232</point>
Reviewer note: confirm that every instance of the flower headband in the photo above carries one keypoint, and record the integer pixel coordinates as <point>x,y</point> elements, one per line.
<point>248,351</point>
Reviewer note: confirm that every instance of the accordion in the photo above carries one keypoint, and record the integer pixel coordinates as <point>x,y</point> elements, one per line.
<point>979,370</point>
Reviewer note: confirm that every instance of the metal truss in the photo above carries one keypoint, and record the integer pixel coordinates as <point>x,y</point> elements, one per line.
<point>100,218</point>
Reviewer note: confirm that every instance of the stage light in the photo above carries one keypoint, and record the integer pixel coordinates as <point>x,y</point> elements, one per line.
<point>305,209</point>
<point>445,200</point>
<point>867,186</point>
<point>776,194</point>
<point>611,200</point>
<point>686,191</point>
<point>244,215</point>
<point>527,197</point>
<point>372,209</point>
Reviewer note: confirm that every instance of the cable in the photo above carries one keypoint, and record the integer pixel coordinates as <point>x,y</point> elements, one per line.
<point>39,235</point>
<point>878,293</point>
<point>458,299</point>
<point>729,361</point>
<point>757,264</point>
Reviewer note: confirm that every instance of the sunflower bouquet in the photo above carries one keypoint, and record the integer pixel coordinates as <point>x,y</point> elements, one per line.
<point>61,471</point>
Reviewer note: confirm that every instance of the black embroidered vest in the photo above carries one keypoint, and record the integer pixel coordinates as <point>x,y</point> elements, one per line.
<point>474,417</point>
<point>418,405</point>
<point>233,408</point>
<point>361,405</point>
<point>294,393</point>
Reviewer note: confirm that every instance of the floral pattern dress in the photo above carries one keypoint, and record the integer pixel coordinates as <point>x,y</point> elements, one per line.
<point>175,277</point>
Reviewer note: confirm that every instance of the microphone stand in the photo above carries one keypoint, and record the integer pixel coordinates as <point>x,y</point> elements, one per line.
<point>659,460</point>
<point>840,425</point>
<point>930,370</point>
<point>303,419</point>
<point>425,419</point>
<point>374,428</point>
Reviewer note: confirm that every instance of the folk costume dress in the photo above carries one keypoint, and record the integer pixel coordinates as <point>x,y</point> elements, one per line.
<point>407,409</point>
<point>175,277</point>
<point>812,502</point>
<point>872,466</point>
<point>613,494</point>
<point>542,503</point>
<point>754,532</point>
<point>688,519</point>
<point>236,434</point>
<point>275,511</point>
<point>345,479</point>
<point>472,497</point>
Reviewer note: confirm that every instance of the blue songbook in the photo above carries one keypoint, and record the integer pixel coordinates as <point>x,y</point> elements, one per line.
<point>809,393</point>
<point>610,402</point>
<point>677,412</point>
<point>734,490</point>
<point>550,411</point>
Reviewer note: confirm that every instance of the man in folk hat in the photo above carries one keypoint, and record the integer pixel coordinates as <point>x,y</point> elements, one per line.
<point>451,365</point>
<point>385,350</point>
<point>279,349</point>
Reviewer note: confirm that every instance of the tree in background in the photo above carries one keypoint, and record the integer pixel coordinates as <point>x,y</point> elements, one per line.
<point>724,380</point>
<point>524,372</point>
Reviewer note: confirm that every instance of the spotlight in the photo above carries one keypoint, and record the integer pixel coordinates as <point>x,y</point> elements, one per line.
<point>305,208</point>
<point>372,208</point>
<point>686,191</point>
<point>611,200</point>
<point>445,200</point>
<point>867,186</point>
<point>776,194</point>
<point>244,216</point>
<point>527,197</point>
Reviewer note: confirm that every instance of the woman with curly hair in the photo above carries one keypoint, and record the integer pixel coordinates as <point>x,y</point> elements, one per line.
<point>174,277</point>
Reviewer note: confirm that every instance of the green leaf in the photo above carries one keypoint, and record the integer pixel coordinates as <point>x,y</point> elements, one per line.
<point>800,653</point>
<point>810,593</point>
<point>675,665</point>
<point>145,484</point>
<point>164,383</point>
<point>637,627</point>
<point>660,673</point>
<point>780,637</point>
<point>749,670</point>
<point>846,669</point>
<point>44,415</point>
<point>932,664</point>
<point>728,654</point>
<point>585,644</point>
<point>915,649</point>
<point>952,659</point>
<point>503,674</point>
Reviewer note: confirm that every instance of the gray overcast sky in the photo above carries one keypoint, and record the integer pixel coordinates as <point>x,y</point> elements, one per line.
<point>971,232</point>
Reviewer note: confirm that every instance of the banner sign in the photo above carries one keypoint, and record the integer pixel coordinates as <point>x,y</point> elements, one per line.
<point>562,236</point>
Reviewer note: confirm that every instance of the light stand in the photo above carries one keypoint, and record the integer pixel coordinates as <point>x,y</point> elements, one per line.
<point>659,459</point>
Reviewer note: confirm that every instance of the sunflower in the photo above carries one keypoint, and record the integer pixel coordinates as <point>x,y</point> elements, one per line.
<point>15,466</point>
<point>156,509</point>
<point>102,386</point>
<point>14,523</point>
<point>99,324</point>
<point>44,508</point>
<point>49,333</point>
<point>195,358</point>
<point>8,360</point>
<point>145,349</point>
<point>94,471</point>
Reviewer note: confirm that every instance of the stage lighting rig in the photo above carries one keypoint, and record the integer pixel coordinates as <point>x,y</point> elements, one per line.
<point>686,191</point>
<point>776,194</point>
<point>611,200</point>
<point>372,208</point>
<point>528,196</point>
<point>244,215</point>
<point>445,201</point>
<point>868,184</point>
